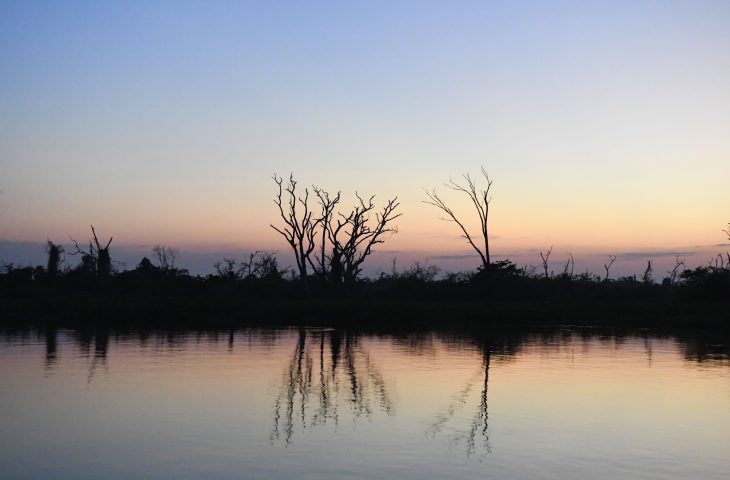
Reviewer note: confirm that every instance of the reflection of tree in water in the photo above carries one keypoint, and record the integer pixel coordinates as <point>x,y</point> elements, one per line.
<point>705,346</point>
<point>93,343</point>
<point>51,337</point>
<point>100,339</point>
<point>478,429</point>
<point>84,338</point>
<point>329,371</point>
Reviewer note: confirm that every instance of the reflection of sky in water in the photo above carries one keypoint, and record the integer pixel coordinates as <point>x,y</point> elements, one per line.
<point>327,403</point>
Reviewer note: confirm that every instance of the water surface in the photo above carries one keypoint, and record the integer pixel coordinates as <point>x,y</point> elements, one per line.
<point>318,403</point>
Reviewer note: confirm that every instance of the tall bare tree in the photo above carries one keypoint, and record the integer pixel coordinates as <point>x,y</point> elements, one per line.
<point>354,235</point>
<point>480,199</point>
<point>96,260</point>
<point>727,232</point>
<point>328,243</point>
<point>545,258</point>
<point>607,266</point>
<point>327,204</point>
<point>300,225</point>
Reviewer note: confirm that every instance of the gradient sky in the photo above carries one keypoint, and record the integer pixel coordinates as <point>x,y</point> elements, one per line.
<point>604,125</point>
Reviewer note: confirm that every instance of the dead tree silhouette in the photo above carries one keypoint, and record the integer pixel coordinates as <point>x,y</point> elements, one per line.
<point>545,258</point>
<point>353,238</point>
<point>675,272</point>
<point>480,199</point>
<point>300,226</point>
<point>96,260</point>
<point>328,266</point>
<point>607,266</point>
<point>727,232</point>
<point>345,240</point>
<point>166,256</point>
<point>54,258</point>
<point>569,267</point>
<point>646,276</point>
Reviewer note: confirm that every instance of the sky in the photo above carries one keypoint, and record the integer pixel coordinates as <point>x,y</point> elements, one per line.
<point>604,125</point>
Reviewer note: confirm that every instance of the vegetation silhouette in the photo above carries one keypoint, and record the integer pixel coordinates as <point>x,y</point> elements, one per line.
<point>54,258</point>
<point>260,264</point>
<point>480,199</point>
<point>345,239</point>
<point>327,287</point>
<point>166,256</point>
<point>545,257</point>
<point>96,260</point>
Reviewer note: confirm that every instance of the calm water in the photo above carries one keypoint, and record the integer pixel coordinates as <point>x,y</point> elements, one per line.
<point>313,403</point>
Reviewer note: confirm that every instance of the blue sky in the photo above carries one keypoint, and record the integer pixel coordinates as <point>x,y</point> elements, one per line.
<point>603,124</point>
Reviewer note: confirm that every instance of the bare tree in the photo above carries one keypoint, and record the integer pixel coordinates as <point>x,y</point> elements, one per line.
<point>166,256</point>
<point>727,232</point>
<point>569,267</point>
<point>608,265</point>
<point>674,273</point>
<point>260,264</point>
<point>96,260</point>
<point>227,268</point>
<point>646,277</point>
<point>266,265</point>
<point>300,227</point>
<point>480,199</point>
<point>716,263</point>
<point>353,238</point>
<point>327,205</point>
<point>545,259</point>
<point>345,241</point>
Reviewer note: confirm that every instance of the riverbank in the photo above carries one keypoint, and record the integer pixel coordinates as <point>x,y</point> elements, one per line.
<point>216,311</point>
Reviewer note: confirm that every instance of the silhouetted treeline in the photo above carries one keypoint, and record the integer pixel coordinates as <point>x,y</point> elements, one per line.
<point>257,289</point>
